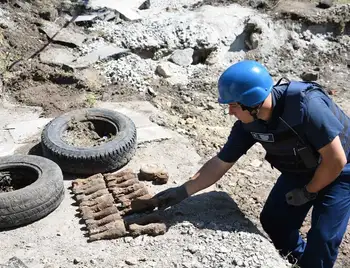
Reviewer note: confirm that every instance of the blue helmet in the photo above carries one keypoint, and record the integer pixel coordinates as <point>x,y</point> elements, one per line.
<point>246,82</point>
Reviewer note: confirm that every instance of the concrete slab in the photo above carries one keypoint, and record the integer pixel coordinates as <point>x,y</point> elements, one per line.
<point>143,107</point>
<point>7,149</point>
<point>124,9</point>
<point>128,13</point>
<point>18,133</point>
<point>10,113</point>
<point>56,56</point>
<point>152,133</point>
<point>100,53</point>
<point>139,112</point>
<point>65,36</point>
<point>139,118</point>
<point>85,18</point>
<point>27,131</point>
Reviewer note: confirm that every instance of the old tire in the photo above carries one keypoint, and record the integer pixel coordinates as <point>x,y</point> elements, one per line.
<point>109,156</point>
<point>36,200</point>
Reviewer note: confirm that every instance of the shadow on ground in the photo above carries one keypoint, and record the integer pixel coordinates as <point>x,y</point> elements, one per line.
<point>213,210</point>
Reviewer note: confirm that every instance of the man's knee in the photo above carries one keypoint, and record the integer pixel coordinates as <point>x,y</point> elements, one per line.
<point>321,250</point>
<point>321,240</point>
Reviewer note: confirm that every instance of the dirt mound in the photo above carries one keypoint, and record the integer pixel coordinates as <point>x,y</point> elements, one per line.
<point>83,134</point>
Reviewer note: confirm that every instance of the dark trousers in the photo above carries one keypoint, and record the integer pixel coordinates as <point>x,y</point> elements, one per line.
<point>330,216</point>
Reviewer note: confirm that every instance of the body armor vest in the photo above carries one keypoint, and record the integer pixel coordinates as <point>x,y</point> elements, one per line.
<point>283,139</point>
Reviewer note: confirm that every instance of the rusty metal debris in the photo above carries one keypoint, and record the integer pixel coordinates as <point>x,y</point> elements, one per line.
<point>153,172</point>
<point>105,200</point>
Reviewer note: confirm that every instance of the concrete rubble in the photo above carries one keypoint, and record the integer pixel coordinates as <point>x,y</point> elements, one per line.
<point>65,57</point>
<point>127,9</point>
<point>65,36</point>
<point>101,53</point>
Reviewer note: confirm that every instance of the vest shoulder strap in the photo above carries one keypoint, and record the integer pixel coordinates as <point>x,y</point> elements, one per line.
<point>295,93</point>
<point>292,103</point>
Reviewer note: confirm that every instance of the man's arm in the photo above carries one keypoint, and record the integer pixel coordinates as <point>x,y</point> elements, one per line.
<point>332,163</point>
<point>208,174</point>
<point>323,129</point>
<point>237,144</point>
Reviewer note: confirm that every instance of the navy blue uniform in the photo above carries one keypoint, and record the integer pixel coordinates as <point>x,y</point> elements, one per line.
<point>309,120</point>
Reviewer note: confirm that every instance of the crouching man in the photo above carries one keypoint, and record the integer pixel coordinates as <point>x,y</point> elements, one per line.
<point>306,137</point>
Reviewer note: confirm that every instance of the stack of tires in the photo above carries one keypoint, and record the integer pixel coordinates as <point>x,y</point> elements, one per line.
<point>46,191</point>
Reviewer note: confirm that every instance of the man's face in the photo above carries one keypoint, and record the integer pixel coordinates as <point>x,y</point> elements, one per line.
<point>236,110</point>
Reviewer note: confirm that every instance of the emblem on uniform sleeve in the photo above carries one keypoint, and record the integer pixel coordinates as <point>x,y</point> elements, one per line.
<point>264,137</point>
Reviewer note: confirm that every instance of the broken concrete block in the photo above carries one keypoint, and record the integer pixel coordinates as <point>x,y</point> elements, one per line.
<point>133,4</point>
<point>123,8</point>
<point>164,69</point>
<point>153,172</point>
<point>129,14</point>
<point>182,57</point>
<point>82,18</point>
<point>90,77</point>
<point>65,36</point>
<point>100,53</point>
<point>56,56</point>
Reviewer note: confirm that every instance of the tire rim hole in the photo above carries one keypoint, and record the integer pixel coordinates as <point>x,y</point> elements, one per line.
<point>12,179</point>
<point>89,133</point>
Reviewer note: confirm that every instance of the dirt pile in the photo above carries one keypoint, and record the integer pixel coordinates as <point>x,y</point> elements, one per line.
<point>84,134</point>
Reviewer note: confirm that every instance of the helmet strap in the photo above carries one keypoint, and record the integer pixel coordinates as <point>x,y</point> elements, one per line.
<point>253,111</point>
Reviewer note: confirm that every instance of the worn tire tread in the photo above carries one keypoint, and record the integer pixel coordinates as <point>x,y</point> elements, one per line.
<point>92,161</point>
<point>36,200</point>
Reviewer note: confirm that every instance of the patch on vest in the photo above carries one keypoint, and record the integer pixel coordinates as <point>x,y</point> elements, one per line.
<point>265,137</point>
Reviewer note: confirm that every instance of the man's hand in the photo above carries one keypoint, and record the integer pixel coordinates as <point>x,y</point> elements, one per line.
<point>170,197</point>
<point>299,197</point>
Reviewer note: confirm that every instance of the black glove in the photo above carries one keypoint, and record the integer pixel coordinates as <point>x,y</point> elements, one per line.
<point>299,196</point>
<point>170,197</point>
